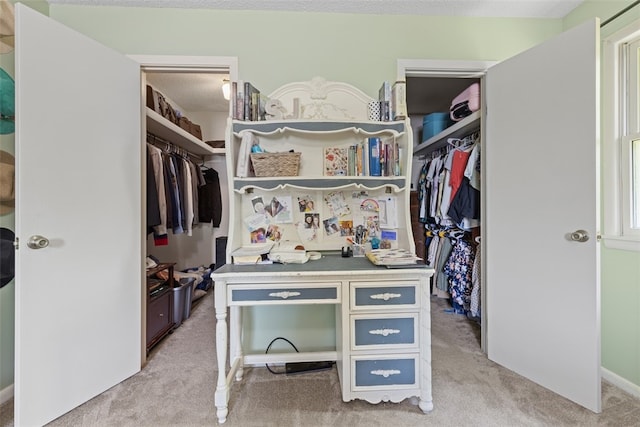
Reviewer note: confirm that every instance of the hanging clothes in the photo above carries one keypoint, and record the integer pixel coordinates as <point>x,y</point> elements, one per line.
<point>459,269</point>
<point>441,278</point>
<point>210,209</point>
<point>153,206</point>
<point>474,306</point>
<point>173,190</point>
<point>458,165</point>
<point>160,237</point>
<point>187,196</point>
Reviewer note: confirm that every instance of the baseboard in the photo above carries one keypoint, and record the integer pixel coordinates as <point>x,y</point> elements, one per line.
<point>621,383</point>
<point>6,394</point>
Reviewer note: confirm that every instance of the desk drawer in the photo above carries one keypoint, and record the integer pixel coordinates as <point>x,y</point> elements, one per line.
<point>384,295</point>
<point>397,331</point>
<point>388,372</point>
<point>311,293</point>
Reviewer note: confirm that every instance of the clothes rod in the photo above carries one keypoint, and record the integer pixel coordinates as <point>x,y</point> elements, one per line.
<point>170,146</point>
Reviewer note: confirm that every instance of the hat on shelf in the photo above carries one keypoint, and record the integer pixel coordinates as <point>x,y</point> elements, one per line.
<point>7,182</point>
<point>7,27</point>
<point>7,103</point>
<point>7,256</point>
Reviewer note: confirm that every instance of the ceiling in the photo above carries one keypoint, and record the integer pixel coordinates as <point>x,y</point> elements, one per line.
<point>192,91</point>
<point>202,92</point>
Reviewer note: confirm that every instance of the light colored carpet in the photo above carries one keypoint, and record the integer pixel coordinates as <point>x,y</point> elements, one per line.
<point>176,389</point>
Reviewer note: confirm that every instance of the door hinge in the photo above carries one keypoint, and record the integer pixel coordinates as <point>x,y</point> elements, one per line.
<point>16,243</point>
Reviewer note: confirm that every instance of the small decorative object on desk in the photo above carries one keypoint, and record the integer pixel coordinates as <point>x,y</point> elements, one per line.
<point>275,164</point>
<point>391,257</point>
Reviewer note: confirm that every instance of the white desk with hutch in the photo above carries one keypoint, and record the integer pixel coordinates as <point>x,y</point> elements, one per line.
<point>382,315</point>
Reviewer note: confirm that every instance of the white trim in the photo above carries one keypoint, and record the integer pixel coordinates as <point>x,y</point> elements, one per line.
<point>189,63</point>
<point>620,242</point>
<point>621,383</point>
<point>441,68</point>
<point>611,142</point>
<point>6,394</point>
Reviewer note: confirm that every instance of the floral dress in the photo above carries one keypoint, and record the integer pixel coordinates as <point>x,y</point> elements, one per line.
<point>459,270</point>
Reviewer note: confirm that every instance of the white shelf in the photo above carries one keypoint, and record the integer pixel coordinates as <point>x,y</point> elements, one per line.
<point>461,129</point>
<point>397,183</point>
<point>319,126</point>
<point>163,128</point>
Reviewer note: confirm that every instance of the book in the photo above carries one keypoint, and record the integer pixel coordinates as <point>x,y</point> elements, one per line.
<point>336,161</point>
<point>239,105</point>
<point>251,100</point>
<point>243,164</point>
<point>399,101</point>
<point>374,147</point>
<point>352,161</point>
<point>384,96</point>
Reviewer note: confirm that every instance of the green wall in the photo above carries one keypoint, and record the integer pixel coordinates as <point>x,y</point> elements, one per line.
<point>274,48</point>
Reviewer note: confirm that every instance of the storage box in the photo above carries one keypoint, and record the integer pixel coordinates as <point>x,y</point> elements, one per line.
<point>179,300</point>
<point>196,131</point>
<point>188,284</point>
<point>434,123</point>
<point>275,164</point>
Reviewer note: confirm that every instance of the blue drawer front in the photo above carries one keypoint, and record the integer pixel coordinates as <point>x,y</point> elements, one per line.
<point>384,331</point>
<point>276,294</point>
<point>399,295</point>
<point>385,372</point>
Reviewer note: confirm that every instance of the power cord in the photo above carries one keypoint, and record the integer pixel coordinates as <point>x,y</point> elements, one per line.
<point>267,351</point>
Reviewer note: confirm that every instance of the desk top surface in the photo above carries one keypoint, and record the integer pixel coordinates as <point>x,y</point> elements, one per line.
<point>329,263</point>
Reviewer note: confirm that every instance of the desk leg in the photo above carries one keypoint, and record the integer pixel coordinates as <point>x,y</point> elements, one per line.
<point>426,397</point>
<point>235,330</point>
<point>222,390</point>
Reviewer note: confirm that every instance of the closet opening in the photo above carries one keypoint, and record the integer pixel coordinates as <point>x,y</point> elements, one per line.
<point>446,161</point>
<point>186,117</point>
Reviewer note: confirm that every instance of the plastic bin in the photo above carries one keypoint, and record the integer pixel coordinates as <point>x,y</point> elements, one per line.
<point>179,301</point>
<point>434,123</point>
<point>188,296</point>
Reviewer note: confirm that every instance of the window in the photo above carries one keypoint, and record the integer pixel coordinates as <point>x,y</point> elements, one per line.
<point>621,142</point>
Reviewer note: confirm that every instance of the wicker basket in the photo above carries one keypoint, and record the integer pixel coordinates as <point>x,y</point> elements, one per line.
<point>275,164</point>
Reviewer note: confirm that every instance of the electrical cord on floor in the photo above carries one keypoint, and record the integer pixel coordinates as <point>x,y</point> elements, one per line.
<point>267,351</point>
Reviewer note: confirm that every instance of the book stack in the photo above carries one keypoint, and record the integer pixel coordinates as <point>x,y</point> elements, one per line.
<point>392,257</point>
<point>247,102</point>
<point>372,157</point>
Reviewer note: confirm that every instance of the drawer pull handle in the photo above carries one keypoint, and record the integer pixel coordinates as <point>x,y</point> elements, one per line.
<point>384,332</point>
<point>284,294</point>
<point>386,296</point>
<point>385,372</point>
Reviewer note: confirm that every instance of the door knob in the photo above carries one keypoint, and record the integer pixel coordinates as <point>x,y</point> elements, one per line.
<point>38,242</point>
<point>580,236</point>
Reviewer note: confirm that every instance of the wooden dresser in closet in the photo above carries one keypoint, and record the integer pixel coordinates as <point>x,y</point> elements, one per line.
<point>159,303</point>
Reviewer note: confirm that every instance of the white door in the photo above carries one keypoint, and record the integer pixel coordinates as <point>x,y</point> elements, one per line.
<point>78,155</point>
<point>541,184</point>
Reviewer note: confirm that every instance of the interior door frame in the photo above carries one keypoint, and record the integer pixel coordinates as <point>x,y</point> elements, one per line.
<point>458,69</point>
<point>171,63</point>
